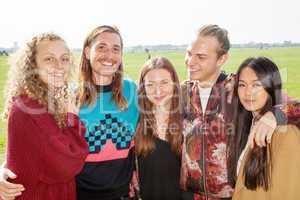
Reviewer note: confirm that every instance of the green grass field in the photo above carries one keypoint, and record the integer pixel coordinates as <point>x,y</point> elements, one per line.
<point>288,60</point>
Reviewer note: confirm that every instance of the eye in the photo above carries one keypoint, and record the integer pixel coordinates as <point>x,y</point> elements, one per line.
<point>200,57</point>
<point>148,84</point>
<point>65,59</point>
<point>257,84</point>
<point>116,50</point>
<point>49,59</point>
<point>241,85</point>
<point>101,48</point>
<point>165,82</point>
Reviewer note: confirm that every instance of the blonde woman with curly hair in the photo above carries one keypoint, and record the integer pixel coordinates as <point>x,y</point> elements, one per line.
<point>45,147</point>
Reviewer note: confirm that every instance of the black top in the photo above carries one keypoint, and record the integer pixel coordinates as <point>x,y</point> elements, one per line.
<point>104,88</point>
<point>159,173</point>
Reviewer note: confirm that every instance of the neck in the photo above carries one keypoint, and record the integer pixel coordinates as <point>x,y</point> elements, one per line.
<point>162,109</point>
<point>162,121</point>
<point>102,80</point>
<point>255,114</point>
<point>209,82</point>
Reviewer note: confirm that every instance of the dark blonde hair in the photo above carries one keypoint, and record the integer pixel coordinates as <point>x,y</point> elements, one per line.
<point>219,33</point>
<point>23,80</point>
<point>87,88</point>
<point>145,134</point>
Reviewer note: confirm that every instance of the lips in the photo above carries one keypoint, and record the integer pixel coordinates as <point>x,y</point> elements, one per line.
<point>249,101</point>
<point>191,70</point>
<point>159,98</point>
<point>107,64</point>
<point>58,75</point>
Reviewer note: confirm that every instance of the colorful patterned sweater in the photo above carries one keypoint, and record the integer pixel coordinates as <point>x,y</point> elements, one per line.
<point>109,165</point>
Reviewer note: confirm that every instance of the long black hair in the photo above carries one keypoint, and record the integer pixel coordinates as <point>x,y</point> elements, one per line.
<point>258,162</point>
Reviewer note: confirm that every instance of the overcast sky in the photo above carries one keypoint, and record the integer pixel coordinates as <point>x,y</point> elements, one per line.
<point>150,22</point>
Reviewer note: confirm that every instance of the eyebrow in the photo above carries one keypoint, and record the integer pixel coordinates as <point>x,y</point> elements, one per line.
<point>241,80</point>
<point>52,54</point>
<point>103,43</point>
<point>160,80</point>
<point>197,53</point>
<point>201,54</point>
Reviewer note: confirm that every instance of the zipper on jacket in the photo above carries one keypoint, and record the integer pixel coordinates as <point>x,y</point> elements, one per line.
<point>204,159</point>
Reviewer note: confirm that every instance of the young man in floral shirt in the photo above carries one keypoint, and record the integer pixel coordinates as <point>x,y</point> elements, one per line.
<point>208,117</point>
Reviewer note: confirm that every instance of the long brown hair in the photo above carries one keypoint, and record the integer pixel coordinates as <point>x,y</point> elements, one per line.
<point>145,134</point>
<point>87,88</point>
<point>257,169</point>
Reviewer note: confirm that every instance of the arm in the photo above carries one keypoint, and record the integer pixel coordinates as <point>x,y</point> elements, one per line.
<point>9,191</point>
<point>288,113</point>
<point>279,115</point>
<point>50,146</point>
<point>285,164</point>
<point>69,147</point>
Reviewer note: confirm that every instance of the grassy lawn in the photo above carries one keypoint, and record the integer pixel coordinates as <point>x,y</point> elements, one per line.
<point>288,60</point>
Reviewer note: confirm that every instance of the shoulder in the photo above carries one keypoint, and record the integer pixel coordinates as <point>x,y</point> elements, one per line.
<point>25,106</point>
<point>287,136</point>
<point>21,115</point>
<point>288,130</point>
<point>129,83</point>
<point>129,88</point>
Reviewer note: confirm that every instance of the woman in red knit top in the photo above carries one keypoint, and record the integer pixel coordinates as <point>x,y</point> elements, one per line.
<point>46,148</point>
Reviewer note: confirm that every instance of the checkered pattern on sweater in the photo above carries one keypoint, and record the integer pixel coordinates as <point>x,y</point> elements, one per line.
<point>109,128</point>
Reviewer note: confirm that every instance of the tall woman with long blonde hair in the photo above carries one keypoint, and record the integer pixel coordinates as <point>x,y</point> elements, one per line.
<point>45,147</point>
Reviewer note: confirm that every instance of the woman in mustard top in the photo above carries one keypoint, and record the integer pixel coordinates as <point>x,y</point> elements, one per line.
<point>270,172</point>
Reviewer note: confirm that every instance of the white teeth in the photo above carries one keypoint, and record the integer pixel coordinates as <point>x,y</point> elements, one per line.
<point>193,70</point>
<point>59,75</point>
<point>107,63</point>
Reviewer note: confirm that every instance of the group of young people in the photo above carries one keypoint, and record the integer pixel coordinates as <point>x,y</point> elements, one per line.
<point>214,137</point>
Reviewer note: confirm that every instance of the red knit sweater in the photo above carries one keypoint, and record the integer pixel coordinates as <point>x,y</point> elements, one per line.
<point>44,157</point>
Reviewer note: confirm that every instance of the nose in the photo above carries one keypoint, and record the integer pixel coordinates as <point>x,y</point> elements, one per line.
<point>60,66</point>
<point>57,64</point>
<point>108,54</point>
<point>190,60</point>
<point>249,91</point>
<point>158,90</point>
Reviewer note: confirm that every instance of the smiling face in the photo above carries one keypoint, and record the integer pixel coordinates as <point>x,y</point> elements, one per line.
<point>251,92</point>
<point>53,62</point>
<point>105,55</point>
<point>202,60</point>
<point>159,86</point>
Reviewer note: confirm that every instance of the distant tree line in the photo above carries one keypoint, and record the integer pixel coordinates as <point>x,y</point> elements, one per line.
<point>169,47</point>
<point>3,53</point>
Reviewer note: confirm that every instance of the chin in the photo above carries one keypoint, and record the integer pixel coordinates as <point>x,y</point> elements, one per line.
<point>250,108</point>
<point>195,76</point>
<point>108,73</point>
<point>192,77</point>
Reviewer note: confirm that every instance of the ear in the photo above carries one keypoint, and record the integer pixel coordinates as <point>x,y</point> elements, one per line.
<point>87,51</point>
<point>222,59</point>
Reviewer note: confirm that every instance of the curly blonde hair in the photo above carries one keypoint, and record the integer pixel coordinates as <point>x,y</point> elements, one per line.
<point>23,80</point>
